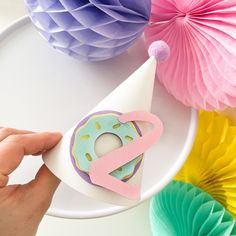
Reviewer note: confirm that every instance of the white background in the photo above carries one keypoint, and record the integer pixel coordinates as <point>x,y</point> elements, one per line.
<point>133,222</point>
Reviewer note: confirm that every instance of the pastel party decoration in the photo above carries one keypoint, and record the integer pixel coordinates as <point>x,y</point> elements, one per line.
<point>160,50</point>
<point>231,114</point>
<point>183,209</point>
<point>134,94</point>
<point>100,170</point>
<point>91,30</point>
<point>211,164</point>
<point>89,130</point>
<point>201,34</point>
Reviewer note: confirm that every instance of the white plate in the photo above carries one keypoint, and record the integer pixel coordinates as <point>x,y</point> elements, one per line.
<point>42,89</point>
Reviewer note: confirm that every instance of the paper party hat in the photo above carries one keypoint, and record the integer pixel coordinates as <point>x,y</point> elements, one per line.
<point>98,127</point>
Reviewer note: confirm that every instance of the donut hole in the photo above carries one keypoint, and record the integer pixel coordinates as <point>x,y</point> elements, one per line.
<point>106,143</point>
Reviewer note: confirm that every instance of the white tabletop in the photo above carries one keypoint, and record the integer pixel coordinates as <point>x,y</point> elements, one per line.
<point>132,222</point>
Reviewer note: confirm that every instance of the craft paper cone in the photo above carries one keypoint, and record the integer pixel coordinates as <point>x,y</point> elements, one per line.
<point>134,94</point>
<point>183,209</point>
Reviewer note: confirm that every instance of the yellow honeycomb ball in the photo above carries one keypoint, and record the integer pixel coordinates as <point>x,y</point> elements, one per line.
<point>211,164</point>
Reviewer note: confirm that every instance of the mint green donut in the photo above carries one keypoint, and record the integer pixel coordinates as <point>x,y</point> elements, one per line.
<point>90,129</point>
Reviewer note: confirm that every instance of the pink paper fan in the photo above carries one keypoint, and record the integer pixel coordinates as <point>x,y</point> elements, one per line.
<point>201,71</point>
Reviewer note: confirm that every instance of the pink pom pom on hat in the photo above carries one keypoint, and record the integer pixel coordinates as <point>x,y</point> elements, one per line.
<point>201,71</point>
<point>160,50</point>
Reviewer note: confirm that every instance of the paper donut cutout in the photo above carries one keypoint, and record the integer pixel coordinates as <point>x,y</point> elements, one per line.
<point>86,133</point>
<point>100,170</point>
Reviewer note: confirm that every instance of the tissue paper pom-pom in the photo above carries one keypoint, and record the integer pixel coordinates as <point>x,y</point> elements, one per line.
<point>201,71</point>
<point>211,164</point>
<point>182,210</point>
<point>91,30</point>
<point>230,113</point>
<point>160,50</point>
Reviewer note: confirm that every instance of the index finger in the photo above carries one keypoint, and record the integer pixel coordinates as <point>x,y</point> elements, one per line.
<point>15,147</point>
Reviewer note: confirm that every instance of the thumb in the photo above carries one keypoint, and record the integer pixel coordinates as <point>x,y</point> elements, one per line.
<point>45,184</point>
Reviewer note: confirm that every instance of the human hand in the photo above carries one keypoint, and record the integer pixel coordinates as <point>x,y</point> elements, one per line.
<point>23,206</point>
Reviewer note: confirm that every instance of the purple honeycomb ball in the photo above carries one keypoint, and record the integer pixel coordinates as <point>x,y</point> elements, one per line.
<point>90,30</point>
